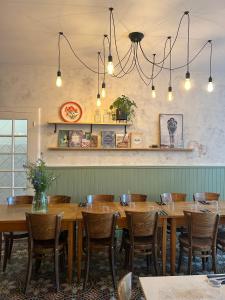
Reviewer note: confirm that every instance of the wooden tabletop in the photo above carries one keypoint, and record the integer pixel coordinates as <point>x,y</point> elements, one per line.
<point>180,288</point>
<point>176,209</point>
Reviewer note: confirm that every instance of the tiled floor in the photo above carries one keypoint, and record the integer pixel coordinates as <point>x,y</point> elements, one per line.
<point>100,287</point>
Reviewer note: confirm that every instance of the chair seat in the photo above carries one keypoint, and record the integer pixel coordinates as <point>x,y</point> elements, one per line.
<point>98,243</point>
<point>141,243</point>
<point>16,235</point>
<point>197,243</point>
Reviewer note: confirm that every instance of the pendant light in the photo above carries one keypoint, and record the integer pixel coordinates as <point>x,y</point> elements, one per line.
<point>98,103</point>
<point>110,66</point>
<point>59,77</point>
<point>170,90</point>
<point>187,84</point>
<point>153,87</point>
<point>210,86</point>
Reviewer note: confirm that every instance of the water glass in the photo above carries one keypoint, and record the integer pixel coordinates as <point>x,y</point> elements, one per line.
<point>89,199</point>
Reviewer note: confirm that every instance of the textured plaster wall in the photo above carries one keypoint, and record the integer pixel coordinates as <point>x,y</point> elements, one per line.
<point>204,117</point>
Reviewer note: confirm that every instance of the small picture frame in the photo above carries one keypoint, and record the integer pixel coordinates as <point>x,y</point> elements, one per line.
<point>171,130</point>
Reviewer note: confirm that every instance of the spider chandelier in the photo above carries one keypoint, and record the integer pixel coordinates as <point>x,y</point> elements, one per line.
<point>131,60</point>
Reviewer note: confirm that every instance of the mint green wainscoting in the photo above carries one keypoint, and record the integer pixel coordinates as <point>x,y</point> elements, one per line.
<point>80,181</point>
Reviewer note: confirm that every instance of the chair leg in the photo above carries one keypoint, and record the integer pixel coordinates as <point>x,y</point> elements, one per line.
<point>180,259</point>
<point>37,264</point>
<point>214,265</point>
<point>10,247</point>
<point>203,263</point>
<point>29,271</point>
<point>148,261</point>
<point>56,257</point>
<point>155,261</point>
<point>122,241</point>
<point>112,264</point>
<point>0,246</point>
<point>6,253</point>
<point>87,266</point>
<point>189,261</point>
<point>131,258</point>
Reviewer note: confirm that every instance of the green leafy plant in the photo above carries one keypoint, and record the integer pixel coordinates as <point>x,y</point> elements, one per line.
<point>125,105</point>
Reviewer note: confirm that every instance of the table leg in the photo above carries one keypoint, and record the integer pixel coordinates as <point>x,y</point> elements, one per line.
<point>173,237</point>
<point>164,237</point>
<point>79,249</point>
<point>70,252</point>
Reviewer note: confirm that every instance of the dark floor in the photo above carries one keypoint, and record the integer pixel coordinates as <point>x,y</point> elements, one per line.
<point>100,287</point>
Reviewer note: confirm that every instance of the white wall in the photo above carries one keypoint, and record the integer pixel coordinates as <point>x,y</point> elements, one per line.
<point>204,113</point>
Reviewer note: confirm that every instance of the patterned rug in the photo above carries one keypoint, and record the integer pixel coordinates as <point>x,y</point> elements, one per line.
<point>100,285</point>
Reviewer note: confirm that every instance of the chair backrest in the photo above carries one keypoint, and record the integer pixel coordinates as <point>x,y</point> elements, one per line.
<point>133,198</point>
<point>56,199</point>
<point>202,224</point>
<point>124,287</point>
<point>99,225</point>
<point>100,198</point>
<point>206,196</point>
<point>43,226</point>
<point>176,197</point>
<point>25,199</point>
<point>142,224</point>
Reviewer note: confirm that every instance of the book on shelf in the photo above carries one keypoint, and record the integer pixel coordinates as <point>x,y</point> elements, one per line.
<point>137,140</point>
<point>75,138</point>
<point>108,139</point>
<point>86,140</point>
<point>63,138</point>
<point>94,141</point>
<point>122,140</point>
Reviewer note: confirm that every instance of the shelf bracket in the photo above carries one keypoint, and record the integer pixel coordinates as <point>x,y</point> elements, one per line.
<point>55,129</point>
<point>91,127</point>
<point>125,129</point>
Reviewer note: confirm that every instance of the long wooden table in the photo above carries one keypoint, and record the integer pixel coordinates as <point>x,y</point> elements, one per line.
<point>176,220</point>
<point>12,218</point>
<point>121,223</point>
<point>180,288</point>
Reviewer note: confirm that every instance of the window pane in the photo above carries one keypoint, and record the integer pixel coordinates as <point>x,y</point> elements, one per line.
<point>19,192</point>
<point>5,144</point>
<point>20,179</point>
<point>20,145</point>
<point>19,161</point>
<point>20,127</point>
<point>5,162</point>
<point>5,127</point>
<point>5,179</point>
<point>4,193</point>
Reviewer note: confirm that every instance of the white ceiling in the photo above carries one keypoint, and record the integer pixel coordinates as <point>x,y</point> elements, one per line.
<point>29,28</point>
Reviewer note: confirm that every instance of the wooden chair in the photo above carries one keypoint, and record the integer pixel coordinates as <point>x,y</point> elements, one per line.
<point>130,198</point>
<point>57,199</point>
<point>201,238</point>
<point>124,287</point>
<point>133,197</point>
<point>44,240</point>
<point>142,239</point>
<point>99,235</point>
<point>9,237</point>
<point>99,198</point>
<point>205,196</point>
<point>176,197</point>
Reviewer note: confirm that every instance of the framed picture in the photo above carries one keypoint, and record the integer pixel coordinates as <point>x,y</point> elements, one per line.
<point>171,130</point>
<point>70,112</point>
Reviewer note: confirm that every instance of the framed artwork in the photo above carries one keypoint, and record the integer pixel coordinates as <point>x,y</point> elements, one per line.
<point>70,112</point>
<point>171,130</point>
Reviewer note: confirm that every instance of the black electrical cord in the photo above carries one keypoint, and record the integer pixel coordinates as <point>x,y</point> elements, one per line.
<point>131,67</point>
<point>59,52</point>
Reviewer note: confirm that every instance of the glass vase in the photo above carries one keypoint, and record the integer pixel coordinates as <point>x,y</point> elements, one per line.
<point>40,202</point>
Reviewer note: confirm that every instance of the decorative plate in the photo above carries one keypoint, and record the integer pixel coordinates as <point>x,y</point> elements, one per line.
<point>71,112</point>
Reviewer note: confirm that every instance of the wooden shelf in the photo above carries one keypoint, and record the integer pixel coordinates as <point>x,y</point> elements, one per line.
<point>90,124</point>
<point>122,149</point>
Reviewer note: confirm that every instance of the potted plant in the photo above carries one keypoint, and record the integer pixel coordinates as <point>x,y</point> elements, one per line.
<point>124,108</point>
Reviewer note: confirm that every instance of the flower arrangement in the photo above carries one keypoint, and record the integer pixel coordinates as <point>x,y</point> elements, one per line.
<point>40,179</point>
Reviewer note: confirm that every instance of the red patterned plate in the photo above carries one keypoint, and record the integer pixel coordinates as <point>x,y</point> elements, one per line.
<point>71,112</point>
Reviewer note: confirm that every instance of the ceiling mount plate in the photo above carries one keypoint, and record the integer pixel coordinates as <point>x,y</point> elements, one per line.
<point>136,37</point>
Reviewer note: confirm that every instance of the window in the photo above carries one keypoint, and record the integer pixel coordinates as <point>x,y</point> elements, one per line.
<point>13,155</point>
